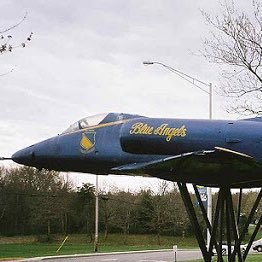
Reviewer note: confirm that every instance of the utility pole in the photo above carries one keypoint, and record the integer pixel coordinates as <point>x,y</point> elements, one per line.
<point>209,189</point>
<point>196,82</point>
<point>96,217</point>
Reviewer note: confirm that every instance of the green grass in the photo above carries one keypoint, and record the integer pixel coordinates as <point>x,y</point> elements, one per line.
<point>25,247</point>
<point>254,258</point>
<point>251,229</point>
<point>38,250</point>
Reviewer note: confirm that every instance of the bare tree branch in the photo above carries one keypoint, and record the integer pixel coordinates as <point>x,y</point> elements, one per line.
<point>7,46</point>
<point>14,26</point>
<point>236,44</point>
<point>3,213</point>
<point>8,72</point>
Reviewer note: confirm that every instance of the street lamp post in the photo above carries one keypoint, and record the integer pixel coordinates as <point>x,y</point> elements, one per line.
<point>96,217</point>
<point>196,82</point>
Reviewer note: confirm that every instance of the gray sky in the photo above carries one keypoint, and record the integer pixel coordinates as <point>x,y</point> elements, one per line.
<point>86,58</point>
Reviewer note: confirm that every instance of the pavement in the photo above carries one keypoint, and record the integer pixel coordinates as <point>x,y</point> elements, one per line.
<point>163,255</point>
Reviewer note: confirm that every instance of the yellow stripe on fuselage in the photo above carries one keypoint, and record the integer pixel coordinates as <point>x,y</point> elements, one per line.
<point>99,126</point>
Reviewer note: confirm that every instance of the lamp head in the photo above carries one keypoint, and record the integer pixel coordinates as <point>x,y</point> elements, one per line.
<point>148,63</point>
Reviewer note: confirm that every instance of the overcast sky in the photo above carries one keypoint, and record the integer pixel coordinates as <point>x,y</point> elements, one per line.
<point>86,58</point>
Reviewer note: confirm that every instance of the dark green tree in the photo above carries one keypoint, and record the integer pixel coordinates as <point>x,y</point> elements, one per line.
<point>144,212</point>
<point>32,200</point>
<point>85,207</point>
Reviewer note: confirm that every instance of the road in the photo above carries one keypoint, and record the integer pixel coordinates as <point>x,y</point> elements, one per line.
<point>163,256</point>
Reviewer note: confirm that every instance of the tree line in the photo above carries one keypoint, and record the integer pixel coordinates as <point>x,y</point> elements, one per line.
<point>42,202</point>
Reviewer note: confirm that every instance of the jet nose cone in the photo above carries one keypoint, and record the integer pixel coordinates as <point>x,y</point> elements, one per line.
<point>24,156</point>
<point>39,155</point>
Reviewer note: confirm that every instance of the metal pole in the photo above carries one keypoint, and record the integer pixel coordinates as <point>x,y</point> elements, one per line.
<point>96,217</point>
<point>175,251</point>
<point>239,205</point>
<point>193,81</point>
<point>210,100</point>
<point>194,221</point>
<point>209,190</point>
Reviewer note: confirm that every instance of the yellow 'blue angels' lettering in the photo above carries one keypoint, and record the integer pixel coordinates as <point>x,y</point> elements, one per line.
<point>141,128</point>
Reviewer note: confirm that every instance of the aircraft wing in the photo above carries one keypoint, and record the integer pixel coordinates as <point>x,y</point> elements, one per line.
<point>206,167</point>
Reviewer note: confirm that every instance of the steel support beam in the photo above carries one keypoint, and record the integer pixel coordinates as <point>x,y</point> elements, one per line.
<point>194,221</point>
<point>225,226</point>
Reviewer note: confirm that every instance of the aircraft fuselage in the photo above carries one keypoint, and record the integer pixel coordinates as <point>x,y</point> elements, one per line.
<point>100,148</point>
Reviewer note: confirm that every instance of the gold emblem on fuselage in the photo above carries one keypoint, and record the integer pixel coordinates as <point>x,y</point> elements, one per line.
<point>87,142</point>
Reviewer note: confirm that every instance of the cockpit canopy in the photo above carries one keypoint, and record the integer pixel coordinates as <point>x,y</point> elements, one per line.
<point>98,119</point>
<point>85,122</point>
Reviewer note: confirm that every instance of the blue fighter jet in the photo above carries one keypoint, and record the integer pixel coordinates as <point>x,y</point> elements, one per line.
<point>215,153</point>
<point>205,152</point>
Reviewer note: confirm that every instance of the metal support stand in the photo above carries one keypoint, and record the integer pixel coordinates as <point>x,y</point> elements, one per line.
<point>225,227</point>
<point>194,221</point>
